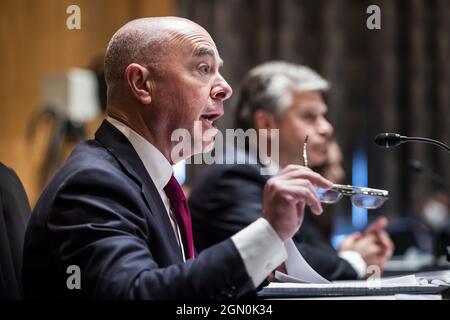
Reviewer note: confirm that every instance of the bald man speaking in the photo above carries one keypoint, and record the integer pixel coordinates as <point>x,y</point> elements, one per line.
<point>113,222</point>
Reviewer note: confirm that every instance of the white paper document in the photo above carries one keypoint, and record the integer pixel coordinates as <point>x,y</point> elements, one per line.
<point>303,280</point>
<point>390,286</point>
<point>409,280</point>
<point>297,268</point>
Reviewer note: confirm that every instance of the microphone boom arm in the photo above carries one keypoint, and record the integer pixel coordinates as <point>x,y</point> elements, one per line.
<point>427,140</point>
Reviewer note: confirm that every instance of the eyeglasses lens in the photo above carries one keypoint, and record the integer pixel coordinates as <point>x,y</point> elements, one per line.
<point>368,201</point>
<point>328,195</point>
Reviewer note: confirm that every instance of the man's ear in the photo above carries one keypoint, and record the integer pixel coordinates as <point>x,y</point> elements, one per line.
<point>137,79</point>
<point>265,120</point>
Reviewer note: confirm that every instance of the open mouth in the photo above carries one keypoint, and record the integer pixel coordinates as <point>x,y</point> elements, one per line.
<point>210,118</point>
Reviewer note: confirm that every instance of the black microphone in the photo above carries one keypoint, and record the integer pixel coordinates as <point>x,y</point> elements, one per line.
<point>390,140</point>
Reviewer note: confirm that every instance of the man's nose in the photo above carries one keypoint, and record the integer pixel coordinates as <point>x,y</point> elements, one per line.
<point>221,91</point>
<point>326,129</point>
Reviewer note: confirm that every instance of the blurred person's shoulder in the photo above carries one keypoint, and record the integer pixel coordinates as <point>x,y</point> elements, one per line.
<point>8,177</point>
<point>233,165</point>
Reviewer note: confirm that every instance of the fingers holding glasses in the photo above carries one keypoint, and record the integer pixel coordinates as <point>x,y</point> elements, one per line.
<point>301,177</point>
<point>300,172</point>
<point>285,197</point>
<point>305,192</point>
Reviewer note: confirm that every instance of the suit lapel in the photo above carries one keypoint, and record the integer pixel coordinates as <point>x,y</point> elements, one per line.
<point>117,144</point>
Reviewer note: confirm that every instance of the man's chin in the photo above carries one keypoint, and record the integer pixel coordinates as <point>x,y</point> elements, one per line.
<point>318,162</point>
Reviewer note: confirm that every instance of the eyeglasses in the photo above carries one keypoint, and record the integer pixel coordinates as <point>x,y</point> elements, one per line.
<point>361,197</point>
<point>305,153</point>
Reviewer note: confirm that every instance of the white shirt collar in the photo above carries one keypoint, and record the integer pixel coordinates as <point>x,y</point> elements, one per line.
<point>157,166</point>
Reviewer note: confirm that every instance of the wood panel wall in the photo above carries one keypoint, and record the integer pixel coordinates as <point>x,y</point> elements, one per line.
<point>34,41</point>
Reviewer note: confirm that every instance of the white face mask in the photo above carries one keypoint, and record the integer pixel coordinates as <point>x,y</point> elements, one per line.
<point>436,215</point>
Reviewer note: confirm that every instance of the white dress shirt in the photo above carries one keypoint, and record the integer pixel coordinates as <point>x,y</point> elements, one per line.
<point>259,246</point>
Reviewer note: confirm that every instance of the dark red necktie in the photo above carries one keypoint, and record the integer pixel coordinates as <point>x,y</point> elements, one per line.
<point>179,206</point>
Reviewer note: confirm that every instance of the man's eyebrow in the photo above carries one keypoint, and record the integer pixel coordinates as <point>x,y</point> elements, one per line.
<point>205,51</point>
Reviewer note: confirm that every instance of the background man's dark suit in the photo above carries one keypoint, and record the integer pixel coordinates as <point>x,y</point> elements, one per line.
<point>227,198</point>
<point>14,214</point>
<point>103,213</point>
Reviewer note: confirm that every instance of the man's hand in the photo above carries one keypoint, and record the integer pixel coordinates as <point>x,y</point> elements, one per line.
<point>285,197</point>
<point>378,228</point>
<point>365,245</point>
<point>374,246</point>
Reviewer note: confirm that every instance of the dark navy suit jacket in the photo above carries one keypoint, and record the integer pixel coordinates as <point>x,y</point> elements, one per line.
<point>14,214</point>
<point>102,213</point>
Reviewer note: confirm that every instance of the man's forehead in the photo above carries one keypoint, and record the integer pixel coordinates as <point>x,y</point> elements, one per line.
<point>187,37</point>
<point>311,100</point>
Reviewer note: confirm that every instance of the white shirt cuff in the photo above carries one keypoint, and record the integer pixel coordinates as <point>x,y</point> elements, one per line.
<point>356,261</point>
<point>260,248</point>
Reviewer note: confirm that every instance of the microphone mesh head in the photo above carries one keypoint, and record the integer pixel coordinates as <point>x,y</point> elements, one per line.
<point>388,140</point>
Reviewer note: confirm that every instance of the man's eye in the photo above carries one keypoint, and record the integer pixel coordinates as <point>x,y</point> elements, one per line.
<point>204,69</point>
<point>307,117</point>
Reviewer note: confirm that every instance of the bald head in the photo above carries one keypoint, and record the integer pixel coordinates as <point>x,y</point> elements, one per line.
<point>163,74</point>
<point>144,41</point>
